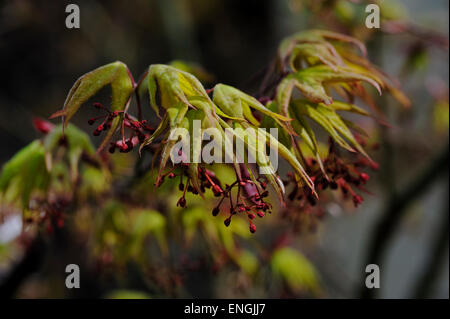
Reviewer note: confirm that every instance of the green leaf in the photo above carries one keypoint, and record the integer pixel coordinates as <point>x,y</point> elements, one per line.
<point>127,294</point>
<point>75,137</point>
<point>78,142</point>
<point>86,86</point>
<point>172,85</point>
<point>247,261</point>
<point>326,117</point>
<point>348,107</point>
<point>193,218</point>
<point>26,172</point>
<point>149,222</point>
<point>340,126</point>
<point>288,156</point>
<point>314,37</point>
<point>159,130</point>
<point>303,107</point>
<point>122,86</point>
<point>251,142</point>
<point>235,103</point>
<point>295,270</point>
<point>311,83</point>
<point>195,147</point>
<point>268,122</point>
<point>314,53</point>
<point>305,131</point>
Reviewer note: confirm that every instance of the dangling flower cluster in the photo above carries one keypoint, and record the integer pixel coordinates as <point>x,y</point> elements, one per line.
<point>140,130</point>
<point>107,119</point>
<point>340,175</point>
<point>249,200</point>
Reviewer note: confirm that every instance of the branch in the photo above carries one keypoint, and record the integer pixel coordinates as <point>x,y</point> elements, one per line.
<point>437,253</point>
<point>29,264</point>
<point>397,204</point>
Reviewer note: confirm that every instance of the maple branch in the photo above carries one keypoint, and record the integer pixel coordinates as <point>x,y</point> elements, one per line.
<point>397,204</point>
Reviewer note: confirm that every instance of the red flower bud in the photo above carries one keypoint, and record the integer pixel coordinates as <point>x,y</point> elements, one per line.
<point>112,148</point>
<point>136,124</point>
<point>357,199</point>
<point>252,228</point>
<point>251,216</point>
<point>124,147</point>
<point>365,177</point>
<point>130,145</point>
<point>181,202</point>
<point>260,214</point>
<point>227,221</point>
<point>374,166</point>
<point>42,126</point>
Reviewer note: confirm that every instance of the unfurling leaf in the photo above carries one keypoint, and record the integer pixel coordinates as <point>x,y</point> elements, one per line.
<point>86,86</point>
<point>236,103</point>
<point>122,85</point>
<point>311,83</point>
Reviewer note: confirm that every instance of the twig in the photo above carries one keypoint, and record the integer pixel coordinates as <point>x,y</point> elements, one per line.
<point>396,207</point>
<point>437,253</point>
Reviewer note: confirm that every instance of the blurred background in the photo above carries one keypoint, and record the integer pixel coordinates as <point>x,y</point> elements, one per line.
<point>403,226</point>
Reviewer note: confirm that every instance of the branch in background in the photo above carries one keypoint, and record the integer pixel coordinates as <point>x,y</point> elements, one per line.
<point>29,264</point>
<point>437,253</point>
<point>395,210</point>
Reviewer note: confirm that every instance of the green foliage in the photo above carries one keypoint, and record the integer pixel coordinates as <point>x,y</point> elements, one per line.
<point>127,294</point>
<point>316,77</point>
<point>314,62</point>
<point>40,168</point>
<point>23,174</point>
<point>122,85</point>
<point>122,231</point>
<point>317,63</point>
<point>296,271</point>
